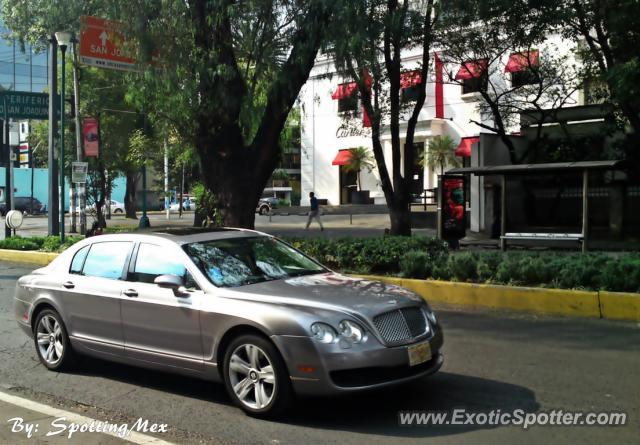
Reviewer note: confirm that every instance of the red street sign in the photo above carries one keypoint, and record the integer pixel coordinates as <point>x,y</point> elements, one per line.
<point>90,134</point>
<point>102,44</point>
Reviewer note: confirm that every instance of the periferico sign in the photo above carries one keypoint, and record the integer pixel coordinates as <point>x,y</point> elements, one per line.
<point>102,44</point>
<point>23,105</point>
<point>79,172</point>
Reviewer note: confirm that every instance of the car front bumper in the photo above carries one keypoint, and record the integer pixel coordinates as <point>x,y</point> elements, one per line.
<point>321,369</point>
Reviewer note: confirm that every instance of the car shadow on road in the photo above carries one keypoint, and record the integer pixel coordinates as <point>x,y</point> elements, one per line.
<point>377,412</point>
<point>158,380</point>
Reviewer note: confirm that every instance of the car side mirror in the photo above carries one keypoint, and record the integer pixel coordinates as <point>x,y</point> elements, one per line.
<point>172,282</point>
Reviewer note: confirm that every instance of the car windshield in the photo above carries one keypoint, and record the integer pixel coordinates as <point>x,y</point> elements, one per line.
<point>241,261</point>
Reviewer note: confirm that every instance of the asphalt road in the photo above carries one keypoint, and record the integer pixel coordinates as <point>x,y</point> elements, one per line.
<point>493,361</point>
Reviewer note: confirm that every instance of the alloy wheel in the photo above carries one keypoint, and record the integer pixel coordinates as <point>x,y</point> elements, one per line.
<point>252,376</point>
<point>50,340</point>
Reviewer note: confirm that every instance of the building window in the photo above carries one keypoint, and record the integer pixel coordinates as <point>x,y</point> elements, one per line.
<point>473,76</point>
<point>475,84</point>
<point>348,103</point>
<point>524,77</point>
<point>523,68</point>
<point>410,94</point>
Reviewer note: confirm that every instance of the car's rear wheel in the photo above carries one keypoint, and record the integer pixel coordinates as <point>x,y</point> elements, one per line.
<point>264,210</point>
<point>52,342</point>
<point>118,211</point>
<point>256,377</point>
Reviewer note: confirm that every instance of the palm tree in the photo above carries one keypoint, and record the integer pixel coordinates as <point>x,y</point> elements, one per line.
<point>441,152</point>
<point>360,158</point>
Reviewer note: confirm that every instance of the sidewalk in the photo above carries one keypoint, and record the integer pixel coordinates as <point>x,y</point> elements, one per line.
<point>336,225</point>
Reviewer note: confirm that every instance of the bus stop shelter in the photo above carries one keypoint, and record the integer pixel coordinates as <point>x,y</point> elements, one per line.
<point>556,168</point>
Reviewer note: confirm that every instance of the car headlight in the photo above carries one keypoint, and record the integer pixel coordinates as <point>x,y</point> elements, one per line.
<point>323,333</point>
<point>431,316</point>
<point>351,331</point>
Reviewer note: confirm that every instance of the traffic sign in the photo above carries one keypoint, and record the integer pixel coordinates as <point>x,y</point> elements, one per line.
<point>79,172</point>
<point>24,105</point>
<point>102,44</point>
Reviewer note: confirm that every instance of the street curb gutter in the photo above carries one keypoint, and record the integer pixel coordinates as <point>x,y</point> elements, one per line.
<point>33,257</point>
<point>574,303</point>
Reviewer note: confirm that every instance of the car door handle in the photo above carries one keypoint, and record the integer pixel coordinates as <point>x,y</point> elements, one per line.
<point>68,285</point>
<point>130,293</point>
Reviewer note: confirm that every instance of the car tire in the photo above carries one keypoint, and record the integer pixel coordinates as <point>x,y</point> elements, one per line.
<point>118,211</point>
<point>56,354</point>
<point>264,210</point>
<point>267,387</point>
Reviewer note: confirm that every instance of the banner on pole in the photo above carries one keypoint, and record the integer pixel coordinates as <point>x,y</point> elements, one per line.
<point>90,133</point>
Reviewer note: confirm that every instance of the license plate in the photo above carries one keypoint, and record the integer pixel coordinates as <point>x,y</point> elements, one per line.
<point>419,353</point>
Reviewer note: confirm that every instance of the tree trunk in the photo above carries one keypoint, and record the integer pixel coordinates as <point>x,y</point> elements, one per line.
<point>400,217</point>
<point>130,204</point>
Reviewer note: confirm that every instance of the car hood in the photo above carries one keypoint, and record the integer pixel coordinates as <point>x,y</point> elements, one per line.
<point>331,291</point>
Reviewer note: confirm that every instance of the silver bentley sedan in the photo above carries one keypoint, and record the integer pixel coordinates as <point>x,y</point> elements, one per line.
<point>235,306</point>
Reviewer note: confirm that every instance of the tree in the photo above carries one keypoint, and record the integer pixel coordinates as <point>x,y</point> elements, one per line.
<point>369,38</point>
<point>234,70</point>
<point>610,33</point>
<point>482,40</point>
<point>359,160</point>
<point>440,153</point>
<point>228,74</point>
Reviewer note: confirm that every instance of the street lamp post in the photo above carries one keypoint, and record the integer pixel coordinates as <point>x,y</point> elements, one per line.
<point>63,38</point>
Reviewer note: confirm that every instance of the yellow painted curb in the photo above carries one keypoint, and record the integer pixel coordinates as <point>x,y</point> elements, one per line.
<point>620,305</point>
<point>527,299</point>
<point>28,256</point>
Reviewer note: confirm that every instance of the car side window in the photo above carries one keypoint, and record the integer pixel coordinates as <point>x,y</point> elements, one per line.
<point>107,259</point>
<point>78,260</point>
<point>152,261</point>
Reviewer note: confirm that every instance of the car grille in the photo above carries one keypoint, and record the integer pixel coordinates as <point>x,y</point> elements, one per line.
<point>401,325</point>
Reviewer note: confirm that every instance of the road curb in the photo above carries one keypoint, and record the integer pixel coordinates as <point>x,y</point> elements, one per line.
<point>544,301</point>
<point>620,305</point>
<point>28,256</point>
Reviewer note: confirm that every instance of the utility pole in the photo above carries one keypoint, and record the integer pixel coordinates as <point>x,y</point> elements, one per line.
<point>8,170</point>
<point>166,175</point>
<point>52,205</point>
<point>61,185</point>
<point>80,189</point>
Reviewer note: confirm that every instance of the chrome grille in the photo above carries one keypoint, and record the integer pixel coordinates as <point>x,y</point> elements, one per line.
<point>401,325</point>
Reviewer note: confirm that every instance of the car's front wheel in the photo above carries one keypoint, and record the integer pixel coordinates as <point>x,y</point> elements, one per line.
<point>52,342</point>
<point>256,377</point>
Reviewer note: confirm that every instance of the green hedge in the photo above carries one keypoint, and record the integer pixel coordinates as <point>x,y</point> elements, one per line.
<point>43,243</point>
<point>615,272</point>
<point>421,257</point>
<point>369,255</point>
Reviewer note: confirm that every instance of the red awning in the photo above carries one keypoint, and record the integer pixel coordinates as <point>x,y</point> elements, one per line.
<point>472,68</point>
<point>410,79</point>
<point>522,61</point>
<point>342,158</point>
<point>344,90</point>
<point>464,148</point>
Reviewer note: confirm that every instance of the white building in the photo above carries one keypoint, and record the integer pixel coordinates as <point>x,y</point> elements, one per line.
<point>448,110</point>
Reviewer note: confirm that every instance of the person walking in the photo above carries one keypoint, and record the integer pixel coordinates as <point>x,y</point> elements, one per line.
<point>314,212</point>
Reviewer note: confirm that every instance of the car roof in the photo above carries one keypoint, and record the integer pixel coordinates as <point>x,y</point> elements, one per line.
<point>185,235</point>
